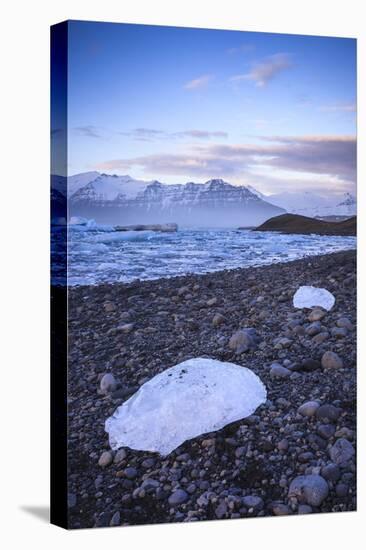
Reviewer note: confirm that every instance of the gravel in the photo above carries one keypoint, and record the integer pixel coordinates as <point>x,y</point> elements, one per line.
<point>306,429</point>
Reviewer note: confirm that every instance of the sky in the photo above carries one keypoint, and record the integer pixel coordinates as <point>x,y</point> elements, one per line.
<point>176,104</point>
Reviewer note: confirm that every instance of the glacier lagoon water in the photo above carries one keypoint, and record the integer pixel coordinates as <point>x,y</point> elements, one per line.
<point>98,254</point>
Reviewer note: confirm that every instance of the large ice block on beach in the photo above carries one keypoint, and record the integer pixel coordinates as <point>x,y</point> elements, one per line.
<point>311,296</point>
<point>192,398</point>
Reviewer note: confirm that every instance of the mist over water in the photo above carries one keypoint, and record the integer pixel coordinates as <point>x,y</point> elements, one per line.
<point>100,255</point>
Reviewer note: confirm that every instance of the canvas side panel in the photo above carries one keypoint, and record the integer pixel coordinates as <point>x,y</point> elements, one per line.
<point>59,45</point>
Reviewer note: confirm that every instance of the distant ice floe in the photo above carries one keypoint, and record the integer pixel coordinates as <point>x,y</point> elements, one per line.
<point>78,220</point>
<point>311,296</point>
<point>148,255</point>
<point>125,236</point>
<point>192,398</point>
<point>77,223</point>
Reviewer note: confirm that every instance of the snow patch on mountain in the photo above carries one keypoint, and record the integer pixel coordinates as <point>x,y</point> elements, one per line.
<point>104,187</point>
<point>311,204</point>
<point>257,193</point>
<point>80,180</point>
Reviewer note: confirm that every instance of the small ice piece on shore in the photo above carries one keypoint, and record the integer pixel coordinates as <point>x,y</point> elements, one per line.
<point>192,398</point>
<point>311,296</point>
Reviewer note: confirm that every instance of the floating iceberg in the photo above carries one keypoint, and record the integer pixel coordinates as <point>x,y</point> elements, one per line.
<point>192,398</point>
<point>77,223</point>
<point>78,220</point>
<point>311,296</point>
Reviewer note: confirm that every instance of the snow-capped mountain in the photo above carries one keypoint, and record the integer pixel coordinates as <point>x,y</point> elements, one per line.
<point>313,205</point>
<point>103,187</point>
<point>123,200</point>
<point>74,183</point>
<point>256,192</point>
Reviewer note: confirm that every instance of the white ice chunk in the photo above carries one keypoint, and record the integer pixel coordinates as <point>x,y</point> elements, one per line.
<point>311,296</point>
<point>78,220</point>
<point>192,398</point>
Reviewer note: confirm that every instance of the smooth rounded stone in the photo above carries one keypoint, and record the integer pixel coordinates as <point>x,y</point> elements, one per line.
<point>320,338</point>
<point>150,484</point>
<point>211,302</point>
<point>317,314</point>
<point>243,340</point>
<point>331,472</point>
<point>278,371</point>
<point>203,500</point>
<point>294,323</point>
<point>240,451</point>
<point>221,510</point>
<point>309,489</point>
<point>295,367</point>
<point>338,333</point>
<point>218,319</point>
<point>126,328</point>
<point>326,431</point>
<point>191,488</point>
<point>305,457</point>
<point>182,290</point>
<point>328,413</point>
<point>125,315</point>
<point>105,459</point>
<point>344,322</point>
<point>120,455</point>
<point>283,342</point>
<point>345,432</point>
<point>115,520</point>
<point>264,314</point>
<point>341,490</point>
<point>304,509</point>
<point>299,330</point>
<point>309,408</point>
<point>310,365</point>
<point>130,472</point>
<point>108,383</point>
<point>280,509</point>
<point>341,452</point>
<point>109,307</point>
<point>179,496</point>
<point>282,445</point>
<point>267,446</point>
<point>253,501</point>
<point>331,360</point>
<point>314,328</point>
<point>148,463</point>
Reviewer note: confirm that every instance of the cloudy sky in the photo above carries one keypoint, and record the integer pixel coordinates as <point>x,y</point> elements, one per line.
<point>274,111</point>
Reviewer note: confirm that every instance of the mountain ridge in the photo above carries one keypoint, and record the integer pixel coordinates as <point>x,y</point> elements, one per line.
<point>124,200</point>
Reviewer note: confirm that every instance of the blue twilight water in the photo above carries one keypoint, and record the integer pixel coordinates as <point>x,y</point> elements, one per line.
<point>97,254</point>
